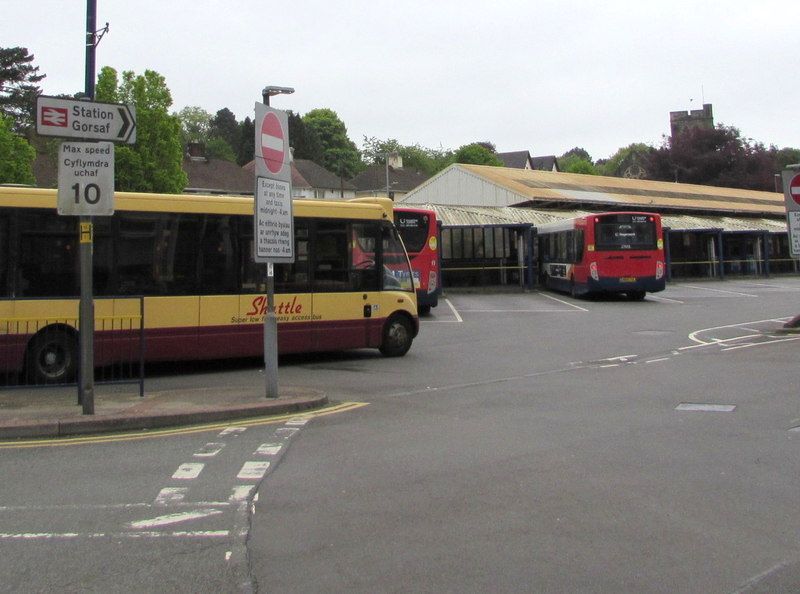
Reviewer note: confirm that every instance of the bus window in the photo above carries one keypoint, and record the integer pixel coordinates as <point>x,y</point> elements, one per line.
<point>216,262</point>
<point>331,256</point>
<point>49,263</point>
<point>293,278</point>
<point>364,268</point>
<point>396,273</point>
<point>5,261</point>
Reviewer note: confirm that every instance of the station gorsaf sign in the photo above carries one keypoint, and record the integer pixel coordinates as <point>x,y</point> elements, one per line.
<point>86,120</point>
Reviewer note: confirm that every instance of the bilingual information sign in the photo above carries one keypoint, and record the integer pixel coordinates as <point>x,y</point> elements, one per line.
<point>273,224</point>
<point>86,179</point>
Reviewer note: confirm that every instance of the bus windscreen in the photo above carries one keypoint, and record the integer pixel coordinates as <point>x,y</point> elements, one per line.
<point>413,228</point>
<point>625,232</point>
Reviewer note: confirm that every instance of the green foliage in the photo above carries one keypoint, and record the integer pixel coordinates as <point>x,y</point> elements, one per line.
<point>218,148</point>
<point>153,164</point>
<point>786,156</point>
<point>304,140</point>
<point>224,126</point>
<point>18,90</point>
<point>476,154</point>
<point>716,157</point>
<point>16,156</point>
<point>339,153</point>
<point>630,161</point>
<point>246,147</point>
<point>415,157</point>
<point>195,124</point>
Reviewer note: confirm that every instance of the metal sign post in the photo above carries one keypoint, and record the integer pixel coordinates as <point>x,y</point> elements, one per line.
<point>791,195</point>
<point>273,222</point>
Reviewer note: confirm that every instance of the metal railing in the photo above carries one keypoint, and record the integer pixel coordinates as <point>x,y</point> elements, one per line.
<point>37,352</point>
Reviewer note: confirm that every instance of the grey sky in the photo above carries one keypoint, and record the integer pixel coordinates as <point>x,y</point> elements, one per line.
<point>543,76</point>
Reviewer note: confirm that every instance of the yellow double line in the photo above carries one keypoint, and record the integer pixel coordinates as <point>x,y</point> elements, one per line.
<point>150,433</point>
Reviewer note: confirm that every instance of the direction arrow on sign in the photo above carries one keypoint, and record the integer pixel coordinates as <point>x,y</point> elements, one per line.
<point>87,120</point>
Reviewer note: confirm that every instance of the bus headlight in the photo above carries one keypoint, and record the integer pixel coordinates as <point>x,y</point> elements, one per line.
<point>659,269</point>
<point>593,271</point>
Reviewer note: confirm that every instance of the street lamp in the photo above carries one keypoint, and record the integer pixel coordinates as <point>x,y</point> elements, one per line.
<point>271,91</point>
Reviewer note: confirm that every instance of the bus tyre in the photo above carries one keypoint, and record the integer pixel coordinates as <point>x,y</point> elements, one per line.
<point>397,337</point>
<point>52,358</point>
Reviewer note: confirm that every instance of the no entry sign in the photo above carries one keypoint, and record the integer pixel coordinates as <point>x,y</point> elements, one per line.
<point>794,189</point>
<point>272,155</point>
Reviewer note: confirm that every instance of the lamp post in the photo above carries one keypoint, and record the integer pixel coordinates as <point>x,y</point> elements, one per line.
<point>271,320</point>
<point>271,91</point>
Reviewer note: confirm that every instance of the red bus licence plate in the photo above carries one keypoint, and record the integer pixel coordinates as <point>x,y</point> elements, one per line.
<point>628,279</point>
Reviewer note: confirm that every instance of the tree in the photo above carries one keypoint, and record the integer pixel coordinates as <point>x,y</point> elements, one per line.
<point>476,154</point>
<point>630,161</point>
<point>577,160</point>
<point>414,156</point>
<point>16,156</point>
<point>245,149</point>
<point>715,157</point>
<point>18,90</point>
<point>153,164</point>
<point>304,140</point>
<point>195,125</point>
<point>225,126</point>
<point>339,153</point>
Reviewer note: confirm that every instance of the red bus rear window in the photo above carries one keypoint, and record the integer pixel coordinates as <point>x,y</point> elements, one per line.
<point>413,228</point>
<point>625,232</point>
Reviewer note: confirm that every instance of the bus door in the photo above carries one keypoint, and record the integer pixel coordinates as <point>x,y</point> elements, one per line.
<point>346,283</point>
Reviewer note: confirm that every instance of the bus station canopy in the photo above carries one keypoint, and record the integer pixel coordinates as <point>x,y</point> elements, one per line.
<point>485,186</point>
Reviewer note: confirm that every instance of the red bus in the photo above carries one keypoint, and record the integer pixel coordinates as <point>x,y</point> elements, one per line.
<point>419,230</point>
<point>613,252</point>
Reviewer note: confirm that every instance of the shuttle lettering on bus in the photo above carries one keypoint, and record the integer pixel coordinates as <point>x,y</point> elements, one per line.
<point>259,307</point>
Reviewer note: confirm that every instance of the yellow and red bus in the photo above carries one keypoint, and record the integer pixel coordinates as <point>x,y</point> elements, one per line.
<point>189,259</point>
<point>611,252</point>
<point>419,229</point>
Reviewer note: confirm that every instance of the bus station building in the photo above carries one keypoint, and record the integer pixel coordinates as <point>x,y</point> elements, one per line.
<point>489,217</point>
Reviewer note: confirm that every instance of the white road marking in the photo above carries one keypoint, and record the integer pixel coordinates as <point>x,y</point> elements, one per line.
<point>720,291</point>
<point>188,471</point>
<point>562,301</point>
<point>231,430</point>
<point>706,407</point>
<point>453,309</point>
<point>657,360</point>
<point>174,518</point>
<point>170,495</point>
<point>285,432</point>
<point>209,450</point>
<point>253,470</point>
<point>113,535</point>
<point>659,298</point>
<point>241,493</point>
<point>268,449</point>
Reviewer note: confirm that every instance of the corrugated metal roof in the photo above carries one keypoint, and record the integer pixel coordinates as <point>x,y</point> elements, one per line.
<point>532,187</point>
<point>454,216</point>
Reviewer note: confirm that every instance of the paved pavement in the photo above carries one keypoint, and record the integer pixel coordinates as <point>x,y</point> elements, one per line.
<point>55,412</point>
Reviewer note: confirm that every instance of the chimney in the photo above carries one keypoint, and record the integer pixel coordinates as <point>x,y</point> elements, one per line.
<point>196,151</point>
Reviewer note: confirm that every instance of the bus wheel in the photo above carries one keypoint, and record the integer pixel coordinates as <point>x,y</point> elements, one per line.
<point>636,295</point>
<point>52,358</point>
<point>397,337</point>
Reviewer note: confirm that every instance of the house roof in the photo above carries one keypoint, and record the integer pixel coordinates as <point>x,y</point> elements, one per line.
<point>310,175</point>
<point>216,175</point>
<point>545,163</point>
<point>516,159</point>
<point>478,185</point>
<point>373,179</point>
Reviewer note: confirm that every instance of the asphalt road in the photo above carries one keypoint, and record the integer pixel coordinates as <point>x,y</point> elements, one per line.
<point>527,442</point>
